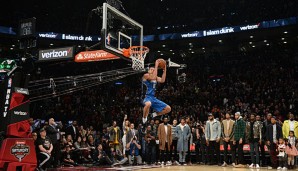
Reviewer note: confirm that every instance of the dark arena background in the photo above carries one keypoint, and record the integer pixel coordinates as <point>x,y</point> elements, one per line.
<point>78,79</point>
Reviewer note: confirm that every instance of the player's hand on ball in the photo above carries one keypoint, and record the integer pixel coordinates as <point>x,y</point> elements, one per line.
<point>157,62</point>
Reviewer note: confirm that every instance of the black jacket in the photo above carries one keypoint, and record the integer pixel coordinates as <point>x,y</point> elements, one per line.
<point>69,131</point>
<point>52,133</point>
<point>269,133</point>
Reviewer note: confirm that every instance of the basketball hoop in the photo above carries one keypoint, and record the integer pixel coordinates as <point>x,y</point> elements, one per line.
<point>137,55</point>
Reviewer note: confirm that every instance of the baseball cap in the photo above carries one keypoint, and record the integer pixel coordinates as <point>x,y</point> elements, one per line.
<point>237,113</point>
<point>210,114</point>
<point>42,129</point>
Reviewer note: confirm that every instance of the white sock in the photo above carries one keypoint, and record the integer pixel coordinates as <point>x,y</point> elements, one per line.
<point>144,120</point>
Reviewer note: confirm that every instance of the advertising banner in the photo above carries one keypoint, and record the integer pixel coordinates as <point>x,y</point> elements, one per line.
<point>56,54</point>
<point>98,55</point>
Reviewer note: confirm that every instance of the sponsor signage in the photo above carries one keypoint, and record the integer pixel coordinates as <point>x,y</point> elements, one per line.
<point>20,150</point>
<point>170,36</point>
<point>21,90</point>
<point>56,54</point>
<point>98,55</point>
<point>27,27</point>
<point>7,97</point>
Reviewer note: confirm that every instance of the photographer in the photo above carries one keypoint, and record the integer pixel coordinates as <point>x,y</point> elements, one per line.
<point>134,148</point>
<point>101,157</point>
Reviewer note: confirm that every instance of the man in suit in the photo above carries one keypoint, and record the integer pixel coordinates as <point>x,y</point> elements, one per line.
<point>290,125</point>
<point>213,134</point>
<point>227,134</point>
<point>273,133</point>
<point>165,141</point>
<point>53,132</point>
<point>131,133</point>
<point>73,131</point>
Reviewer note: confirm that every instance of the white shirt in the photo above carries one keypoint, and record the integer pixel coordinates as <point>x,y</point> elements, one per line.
<point>292,123</point>
<point>210,127</point>
<point>274,133</point>
<point>166,130</point>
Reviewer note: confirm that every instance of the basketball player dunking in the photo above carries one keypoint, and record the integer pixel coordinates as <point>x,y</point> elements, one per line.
<point>151,79</point>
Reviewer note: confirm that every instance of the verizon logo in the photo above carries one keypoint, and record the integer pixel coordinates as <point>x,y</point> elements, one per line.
<point>56,53</point>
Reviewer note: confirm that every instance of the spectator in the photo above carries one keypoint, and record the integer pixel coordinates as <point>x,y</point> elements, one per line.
<point>150,138</point>
<point>239,138</point>
<point>165,141</point>
<point>134,149</point>
<point>254,137</point>
<point>68,157</point>
<point>213,134</point>
<point>125,128</point>
<point>203,146</point>
<point>266,122</point>
<point>282,156</point>
<point>82,149</point>
<point>45,148</point>
<point>115,135</point>
<point>227,136</point>
<point>131,133</point>
<point>53,131</point>
<point>183,133</point>
<point>101,158</point>
<point>290,125</point>
<point>273,134</point>
<point>173,149</point>
<point>291,149</point>
<point>73,130</point>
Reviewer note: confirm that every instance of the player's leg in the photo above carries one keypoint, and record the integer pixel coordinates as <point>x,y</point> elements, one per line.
<point>165,110</point>
<point>160,107</point>
<point>146,109</point>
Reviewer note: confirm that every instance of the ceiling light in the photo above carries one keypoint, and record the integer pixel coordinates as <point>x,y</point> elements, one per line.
<point>253,46</point>
<point>265,41</point>
<point>171,50</point>
<point>158,51</point>
<point>161,54</point>
<point>163,45</point>
<point>173,53</point>
<point>285,32</point>
<point>189,49</point>
<point>285,42</point>
<point>190,44</point>
<point>282,38</point>
<point>13,45</point>
<point>51,44</point>
<point>267,44</point>
<point>192,52</point>
<point>250,43</point>
<point>203,48</point>
<point>251,37</point>
<point>11,48</point>
<point>219,40</point>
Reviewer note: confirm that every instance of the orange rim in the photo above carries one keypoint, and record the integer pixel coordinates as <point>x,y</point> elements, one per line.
<point>135,51</point>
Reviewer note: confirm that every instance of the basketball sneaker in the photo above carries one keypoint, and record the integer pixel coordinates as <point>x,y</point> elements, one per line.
<point>154,114</point>
<point>144,120</point>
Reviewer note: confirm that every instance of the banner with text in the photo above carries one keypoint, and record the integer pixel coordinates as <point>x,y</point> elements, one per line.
<point>97,55</point>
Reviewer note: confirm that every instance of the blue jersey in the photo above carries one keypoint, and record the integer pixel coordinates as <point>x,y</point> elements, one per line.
<point>151,87</point>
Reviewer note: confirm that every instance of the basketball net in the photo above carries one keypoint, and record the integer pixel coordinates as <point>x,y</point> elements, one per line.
<point>138,55</point>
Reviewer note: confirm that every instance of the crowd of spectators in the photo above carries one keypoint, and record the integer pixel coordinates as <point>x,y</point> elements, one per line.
<point>261,83</point>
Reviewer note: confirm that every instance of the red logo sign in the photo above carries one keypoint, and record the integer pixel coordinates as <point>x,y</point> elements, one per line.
<point>20,150</point>
<point>98,55</point>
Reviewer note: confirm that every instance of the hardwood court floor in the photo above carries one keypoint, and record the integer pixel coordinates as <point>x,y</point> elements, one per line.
<point>205,168</point>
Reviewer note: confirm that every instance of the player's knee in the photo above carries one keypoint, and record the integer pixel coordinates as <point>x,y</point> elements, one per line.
<point>147,104</point>
<point>168,108</point>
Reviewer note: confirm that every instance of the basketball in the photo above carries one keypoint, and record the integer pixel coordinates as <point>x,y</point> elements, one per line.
<point>162,63</point>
